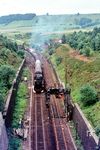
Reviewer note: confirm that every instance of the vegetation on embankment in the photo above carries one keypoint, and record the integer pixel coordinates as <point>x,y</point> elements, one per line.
<point>85,42</point>
<point>21,103</point>
<point>78,70</point>
<point>10,60</point>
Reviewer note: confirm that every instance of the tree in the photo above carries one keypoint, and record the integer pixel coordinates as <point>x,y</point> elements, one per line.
<point>21,53</point>
<point>63,39</point>
<point>6,75</point>
<point>97,42</point>
<point>88,95</point>
<point>87,51</point>
<point>84,21</point>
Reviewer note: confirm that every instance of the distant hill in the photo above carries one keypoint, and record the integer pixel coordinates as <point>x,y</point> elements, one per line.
<point>49,23</point>
<point>44,27</point>
<point>17,17</point>
<point>63,22</point>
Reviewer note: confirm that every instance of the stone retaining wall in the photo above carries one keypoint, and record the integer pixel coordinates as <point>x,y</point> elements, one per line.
<point>3,135</point>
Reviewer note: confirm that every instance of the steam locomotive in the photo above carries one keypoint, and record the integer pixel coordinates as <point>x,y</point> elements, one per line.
<point>38,86</point>
<point>38,77</point>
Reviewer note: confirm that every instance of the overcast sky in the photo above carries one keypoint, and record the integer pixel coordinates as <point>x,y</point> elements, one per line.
<point>51,6</point>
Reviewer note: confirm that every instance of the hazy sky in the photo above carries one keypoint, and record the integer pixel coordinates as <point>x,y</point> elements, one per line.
<point>50,6</point>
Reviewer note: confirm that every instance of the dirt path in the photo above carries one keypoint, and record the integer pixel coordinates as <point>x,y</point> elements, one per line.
<point>75,54</point>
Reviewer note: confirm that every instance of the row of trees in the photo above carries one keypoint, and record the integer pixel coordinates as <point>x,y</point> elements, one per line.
<point>8,49</point>
<point>16,17</point>
<point>84,42</point>
<point>8,45</point>
<point>5,42</point>
<point>7,73</point>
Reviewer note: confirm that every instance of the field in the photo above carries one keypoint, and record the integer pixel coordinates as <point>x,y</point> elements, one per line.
<point>52,24</point>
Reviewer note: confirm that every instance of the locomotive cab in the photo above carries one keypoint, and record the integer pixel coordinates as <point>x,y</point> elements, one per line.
<point>38,83</point>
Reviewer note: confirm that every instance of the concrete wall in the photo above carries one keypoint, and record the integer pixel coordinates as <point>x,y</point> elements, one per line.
<point>85,131</point>
<point>3,135</point>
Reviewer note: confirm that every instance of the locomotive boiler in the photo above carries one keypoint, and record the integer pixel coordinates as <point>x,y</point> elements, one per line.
<point>38,77</point>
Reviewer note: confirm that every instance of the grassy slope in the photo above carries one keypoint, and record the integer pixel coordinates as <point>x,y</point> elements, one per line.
<point>45,27</point>
<point>51,23</point>
<point>80,73</point>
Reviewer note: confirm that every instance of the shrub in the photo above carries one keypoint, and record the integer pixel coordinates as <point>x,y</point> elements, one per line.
<point>88,95</point>
<point>14,143</point>
<point>97,129</point>
<point>51,51</point>
<point>7,73</point>
<point>21,53</point>
<point>58,60</point>
<point>63,39</point>
<point>87,51</point>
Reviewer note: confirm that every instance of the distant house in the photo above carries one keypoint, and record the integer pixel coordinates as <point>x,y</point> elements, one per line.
<point>57,41</point>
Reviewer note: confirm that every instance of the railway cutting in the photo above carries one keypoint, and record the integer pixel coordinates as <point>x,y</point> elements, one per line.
<point>48,128</point>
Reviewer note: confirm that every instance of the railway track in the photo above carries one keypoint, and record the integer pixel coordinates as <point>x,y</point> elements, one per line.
<point>41,135</point>
<point>48,129</point>
<point>62,133</point>
<point>38,123</point>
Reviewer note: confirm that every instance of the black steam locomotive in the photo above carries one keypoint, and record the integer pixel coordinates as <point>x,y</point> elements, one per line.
<point>38,77</point>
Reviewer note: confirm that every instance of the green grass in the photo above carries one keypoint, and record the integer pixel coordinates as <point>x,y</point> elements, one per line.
<point>93,114</point>
<point>20,105</point>
<point>75,136</point>
<point>21,100</point>
<point>19,111</point>
<point>78,74</point>
<point>46,27</point>
<point>51,24</point>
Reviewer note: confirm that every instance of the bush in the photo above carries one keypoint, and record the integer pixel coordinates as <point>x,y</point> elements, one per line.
<point>58,60</point>
<point>97,129</point>
<point>21,53</point>
<point>7,73</point>
<point>87,51</point>
<point>88,95</point>
<point>51,51</point>
<point>63,39</point>
<point>14,143</point>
